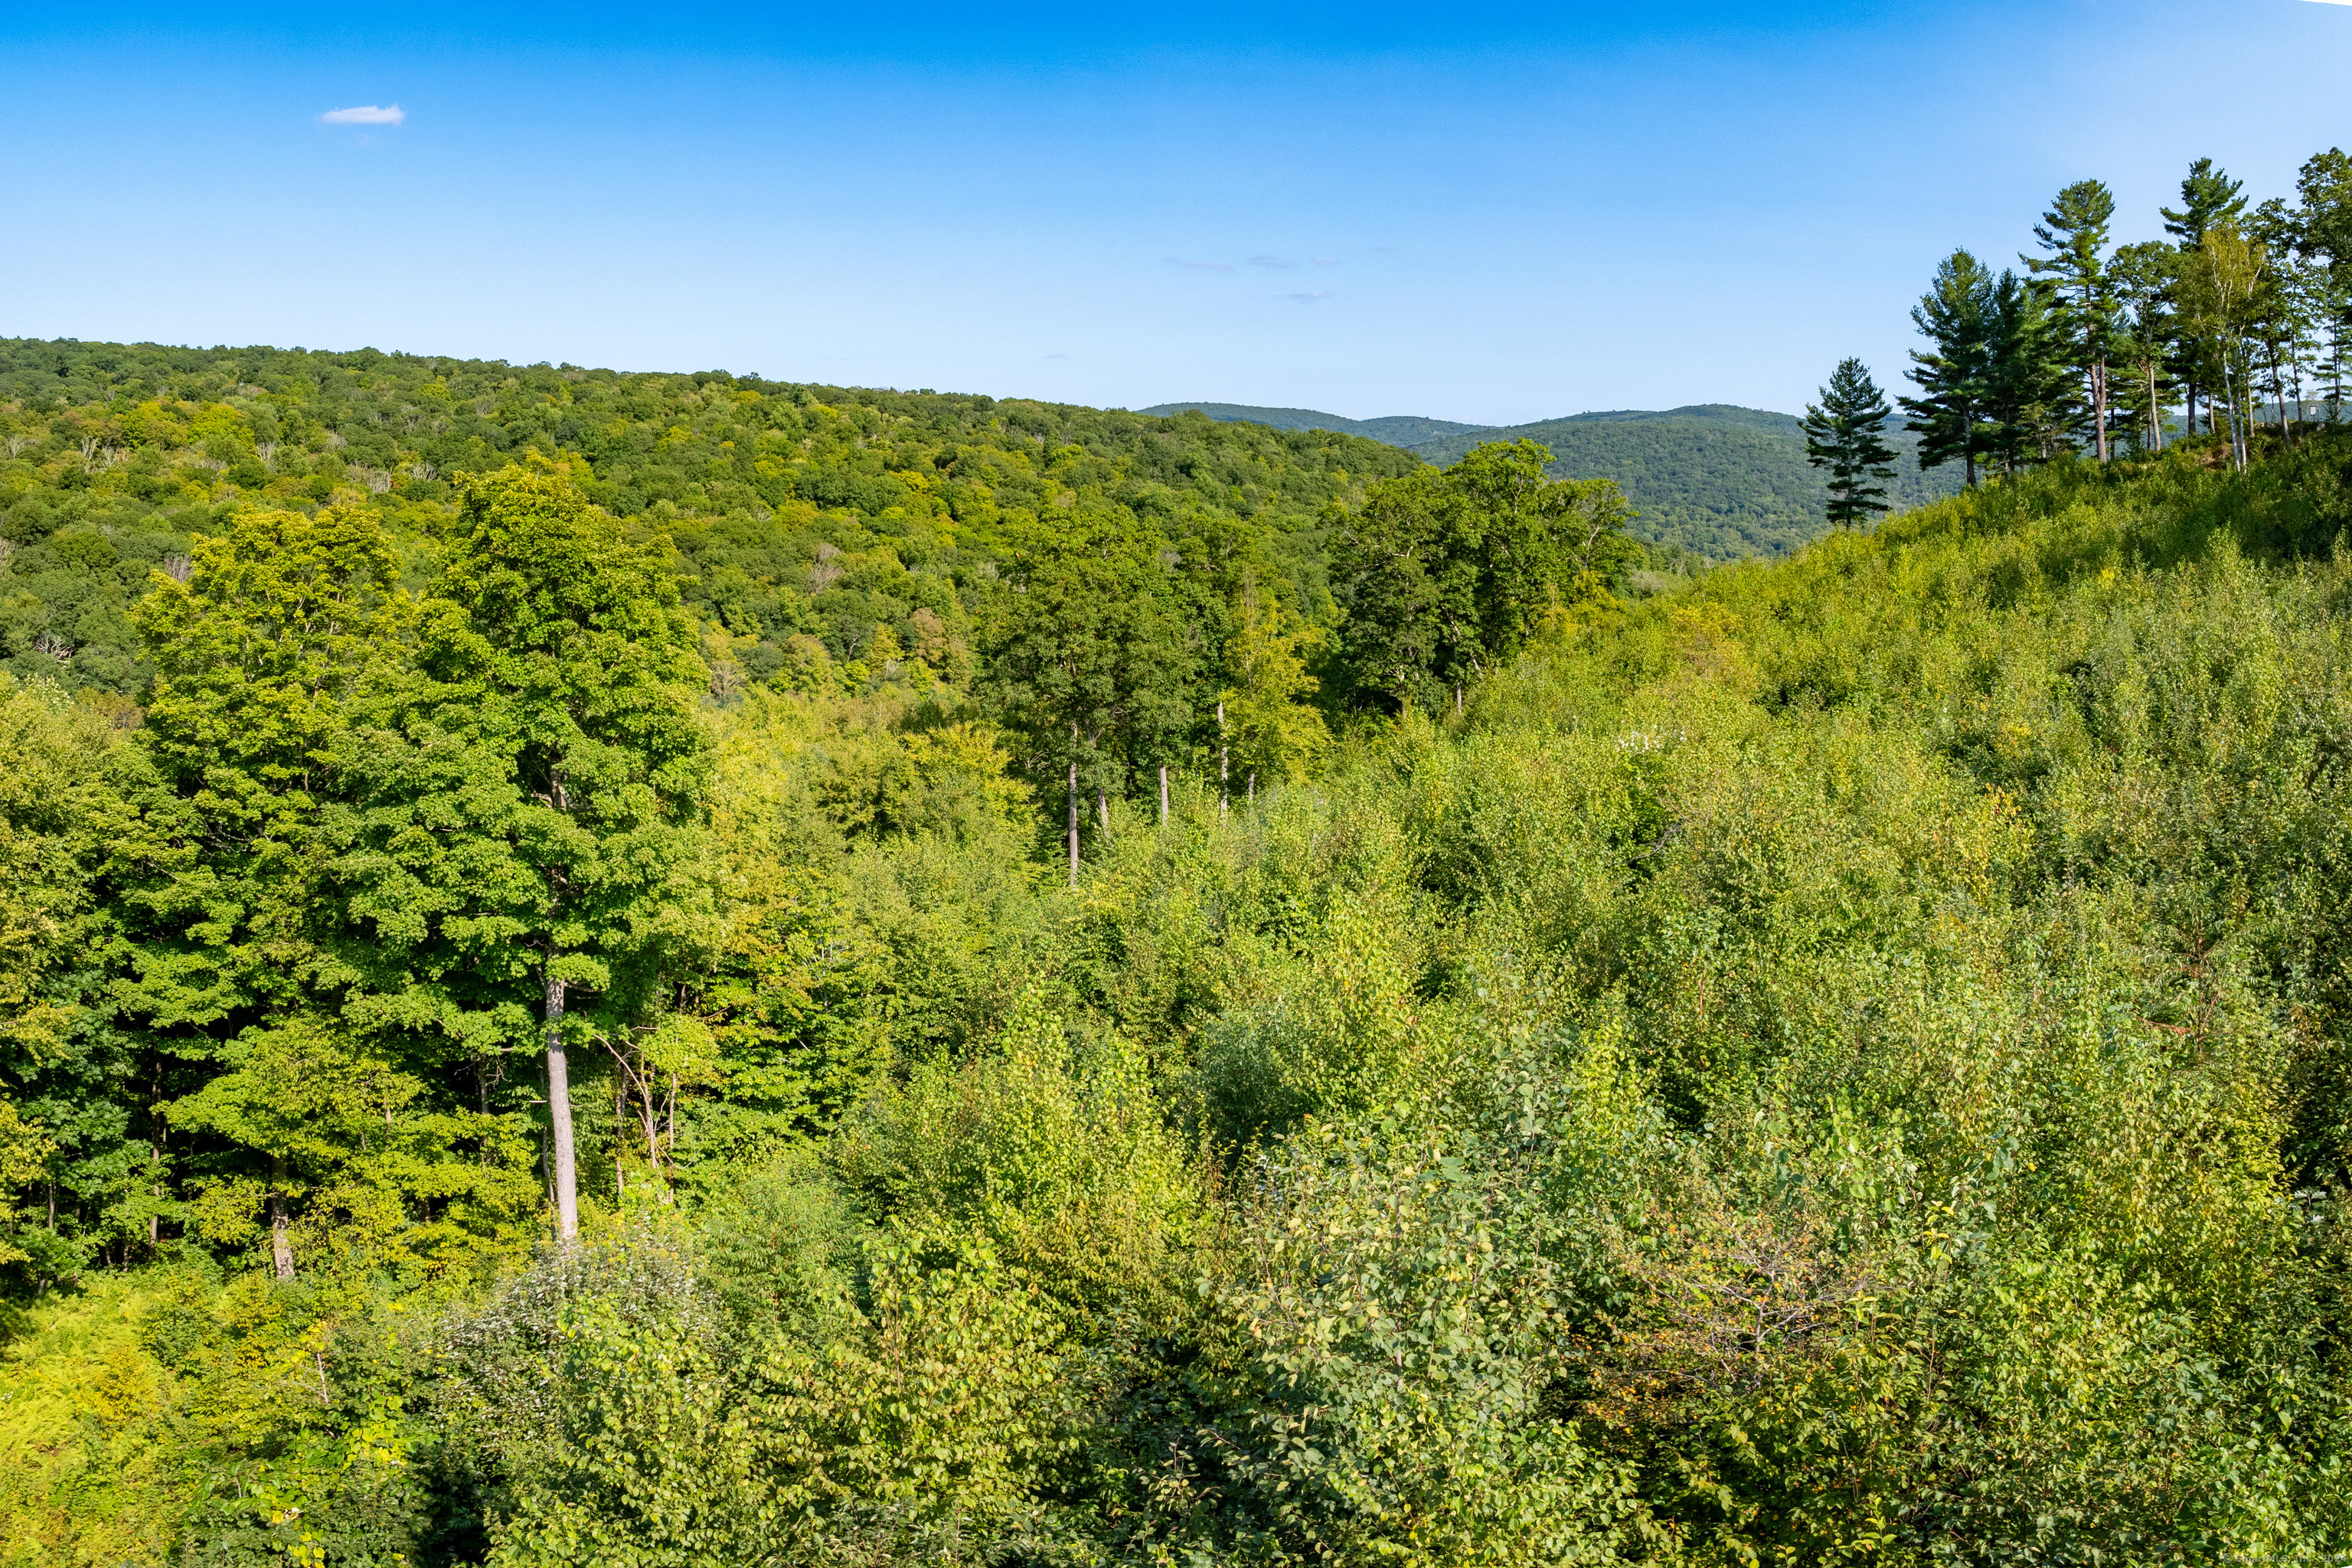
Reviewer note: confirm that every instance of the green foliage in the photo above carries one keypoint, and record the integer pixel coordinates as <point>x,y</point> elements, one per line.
<point>1445,574</point>
<point>1090,658</point>
<point>1267,722</point>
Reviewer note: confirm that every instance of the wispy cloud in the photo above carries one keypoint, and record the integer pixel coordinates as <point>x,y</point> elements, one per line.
<point>1271,261</point>
<point>1327,261</point>
<point>365,114</point>
<point>1307,297</point>
<point>1201,265</point>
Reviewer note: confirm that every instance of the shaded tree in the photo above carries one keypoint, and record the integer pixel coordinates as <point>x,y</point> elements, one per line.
<point>2143,277</point>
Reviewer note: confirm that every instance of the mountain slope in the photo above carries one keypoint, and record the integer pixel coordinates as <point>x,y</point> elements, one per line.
<point>802,516</point>
<point>1714,478</point>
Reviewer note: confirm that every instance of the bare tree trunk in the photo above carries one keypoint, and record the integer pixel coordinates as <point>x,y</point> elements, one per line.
<point>1163,795</point>
<point>1224,761</point>
<point>1102,810</point>
<point>1253,786</point>
<point>559,1112</point>
<point>282,1245</point>
<point>2099,396</point>
<point>1074,816</point>
<point>2278,380</point>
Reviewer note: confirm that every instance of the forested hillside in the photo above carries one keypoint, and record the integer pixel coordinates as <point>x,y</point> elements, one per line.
<point>1721,482</point>
<point>803,517</point>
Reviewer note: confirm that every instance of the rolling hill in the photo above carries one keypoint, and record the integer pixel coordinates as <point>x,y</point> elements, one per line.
<point>1713,478</point>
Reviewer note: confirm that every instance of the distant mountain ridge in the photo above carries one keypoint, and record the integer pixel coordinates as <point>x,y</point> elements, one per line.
<point>1714,478</point>
<point>1396,429</point>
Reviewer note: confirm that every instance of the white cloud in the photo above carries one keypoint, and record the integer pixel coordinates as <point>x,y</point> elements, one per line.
<point>1271,262</point>
<point>1306,298</point>
<point>366,114</point>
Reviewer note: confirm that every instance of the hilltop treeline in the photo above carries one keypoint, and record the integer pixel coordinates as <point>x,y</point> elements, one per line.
<point>2240,316</point>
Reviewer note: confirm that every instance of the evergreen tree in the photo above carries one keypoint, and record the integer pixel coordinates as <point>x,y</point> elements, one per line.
<point>1955,316</point>
<point>2083,314</point>
<point>2027,400</point>
<point>2324,186</point>
<point>2208,197</point>
<point>2289,303</point>
<point>1843,433</point>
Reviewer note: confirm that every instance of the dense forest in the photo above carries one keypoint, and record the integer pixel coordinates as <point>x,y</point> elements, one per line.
<point>638,969</point>
<point>796,513</point>
<point>1713,481</point>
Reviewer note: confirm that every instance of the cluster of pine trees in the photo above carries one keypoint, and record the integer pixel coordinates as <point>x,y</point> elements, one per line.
<point>2240,319</point>
<point>2245,318</point>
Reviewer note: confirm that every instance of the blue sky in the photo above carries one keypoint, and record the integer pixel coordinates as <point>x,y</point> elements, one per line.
<point>1492,213</point>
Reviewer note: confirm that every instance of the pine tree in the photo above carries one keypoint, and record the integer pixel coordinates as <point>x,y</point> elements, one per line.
<point>2084,315</point>
<point>1954,316</point>
<point>2026,391</point>
<point>1843,435</point>
<point>2323,185</point>
<point>2289,303</point>
<point>2208,198</point>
